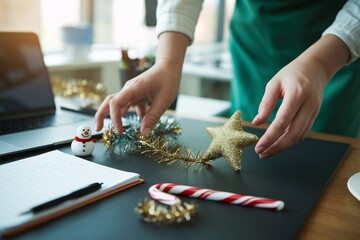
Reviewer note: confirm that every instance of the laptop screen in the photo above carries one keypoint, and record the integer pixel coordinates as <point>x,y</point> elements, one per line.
<point>25,87</point>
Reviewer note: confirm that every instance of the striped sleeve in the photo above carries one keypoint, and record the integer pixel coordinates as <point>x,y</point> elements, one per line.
<point>178,16</point>
<point>347,27</point>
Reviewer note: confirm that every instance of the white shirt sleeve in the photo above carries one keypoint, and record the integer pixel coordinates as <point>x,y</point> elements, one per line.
<point>347,27</point>
<point>178,16</point>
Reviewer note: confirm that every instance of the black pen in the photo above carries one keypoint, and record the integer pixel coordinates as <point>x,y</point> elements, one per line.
<point>78,193</point>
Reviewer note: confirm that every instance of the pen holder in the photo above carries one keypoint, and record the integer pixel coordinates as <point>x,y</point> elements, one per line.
<point>132,67</point>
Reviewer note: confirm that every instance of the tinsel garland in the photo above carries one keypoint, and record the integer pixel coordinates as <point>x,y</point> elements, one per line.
<point>160,145</point>
<point>128,142</point>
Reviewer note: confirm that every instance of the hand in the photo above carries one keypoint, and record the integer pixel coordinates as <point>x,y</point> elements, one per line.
<point>300,84</point>
<point>158,85</point>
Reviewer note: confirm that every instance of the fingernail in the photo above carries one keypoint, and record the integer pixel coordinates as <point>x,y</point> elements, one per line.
<point>147,132</point>
<point>256,118</point>
<point>264,155</point>
<point>260,149</point>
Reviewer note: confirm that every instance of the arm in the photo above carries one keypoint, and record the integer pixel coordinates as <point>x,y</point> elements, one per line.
<point>158,85</point>
<point>347,27</point>
<point>301,83</point>
<point>166,76</point>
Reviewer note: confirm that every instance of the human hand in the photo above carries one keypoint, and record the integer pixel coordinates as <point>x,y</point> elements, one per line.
<point>158,85</point>
<point>300,84</point>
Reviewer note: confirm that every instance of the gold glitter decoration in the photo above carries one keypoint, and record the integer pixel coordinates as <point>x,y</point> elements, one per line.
<point>108,139</point>
<point>161,214</point>
<point>161,151</point>
<point>229,140</point>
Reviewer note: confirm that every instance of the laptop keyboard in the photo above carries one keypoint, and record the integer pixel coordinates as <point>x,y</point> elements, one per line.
<point>24,124</point>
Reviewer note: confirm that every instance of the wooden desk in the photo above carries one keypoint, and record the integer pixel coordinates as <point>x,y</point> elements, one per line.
<point>337,214</point>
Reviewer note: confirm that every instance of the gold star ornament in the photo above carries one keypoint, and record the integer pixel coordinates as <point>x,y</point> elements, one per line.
<point>229,140</point>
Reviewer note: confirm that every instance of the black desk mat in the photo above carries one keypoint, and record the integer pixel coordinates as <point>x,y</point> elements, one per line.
<point>297,176</point>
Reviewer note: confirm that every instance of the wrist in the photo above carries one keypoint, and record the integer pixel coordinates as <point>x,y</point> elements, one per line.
<point>171,50</point>
<point>329,54</point>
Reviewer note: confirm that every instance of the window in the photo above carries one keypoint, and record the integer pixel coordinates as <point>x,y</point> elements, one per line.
<point>115,22</point>
<point>44,17</point>
<point>121,23</point>
<point>54,15</point>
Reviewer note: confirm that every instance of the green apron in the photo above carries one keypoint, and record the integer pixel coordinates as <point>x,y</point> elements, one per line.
<point>268,34</point>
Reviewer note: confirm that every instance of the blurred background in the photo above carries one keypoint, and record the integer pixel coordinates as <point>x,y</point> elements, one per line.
<point>84,41</point>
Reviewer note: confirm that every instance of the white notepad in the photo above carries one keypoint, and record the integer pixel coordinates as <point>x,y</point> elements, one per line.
<point>32,181</point>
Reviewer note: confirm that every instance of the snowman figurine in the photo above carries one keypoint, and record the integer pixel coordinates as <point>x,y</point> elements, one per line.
<point>83,143</point>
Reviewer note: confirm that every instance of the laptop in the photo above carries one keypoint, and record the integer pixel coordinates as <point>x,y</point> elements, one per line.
<point>29,118</point>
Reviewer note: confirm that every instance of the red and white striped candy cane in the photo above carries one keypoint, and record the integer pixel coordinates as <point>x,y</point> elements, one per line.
<point>160,192</point>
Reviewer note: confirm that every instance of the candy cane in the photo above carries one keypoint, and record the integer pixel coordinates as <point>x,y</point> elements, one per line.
<point>160,192</point>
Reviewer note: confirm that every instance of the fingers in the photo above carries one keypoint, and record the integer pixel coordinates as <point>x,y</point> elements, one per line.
<point>310,123</point>
<point>293,119</point>
<point>118,104</point>
<point>102,112</point>
<point>284,117</point>
<point>135,93</point>
<point>301,85</point>
<point>116,114</point>
<point>152,116</point>
<point>121,102</point>
<point>141,110</point>
<point>295,131</point>
<point>268,102</point>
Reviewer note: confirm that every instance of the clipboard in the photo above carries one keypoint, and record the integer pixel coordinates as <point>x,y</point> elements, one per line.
<point>75,172</point>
